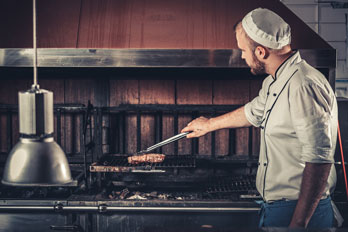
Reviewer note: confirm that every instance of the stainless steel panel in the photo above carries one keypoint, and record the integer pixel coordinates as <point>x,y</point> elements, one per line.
<point>108,216</point>
<point>162,221</point>
<point>219,58</point>
<point>104,209</point>
<point>30,222</point>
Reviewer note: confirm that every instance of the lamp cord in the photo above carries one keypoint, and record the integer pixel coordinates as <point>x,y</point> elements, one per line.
<point>34,44</point>
<point>342,158</point>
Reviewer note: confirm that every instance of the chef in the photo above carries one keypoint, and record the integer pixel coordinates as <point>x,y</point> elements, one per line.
<point>296,110</point>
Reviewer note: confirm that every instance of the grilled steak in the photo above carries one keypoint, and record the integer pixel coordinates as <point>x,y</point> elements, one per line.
<point>146,158</point>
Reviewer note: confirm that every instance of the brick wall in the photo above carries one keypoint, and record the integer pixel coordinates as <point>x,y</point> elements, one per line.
<point>330,23</point>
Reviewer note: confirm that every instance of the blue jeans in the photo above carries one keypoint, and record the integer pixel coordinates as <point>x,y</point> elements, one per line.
<point>279,214</point>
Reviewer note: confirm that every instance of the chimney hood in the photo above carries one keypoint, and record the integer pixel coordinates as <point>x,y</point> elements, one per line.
<point>140,24</point>
<point>142,33</point>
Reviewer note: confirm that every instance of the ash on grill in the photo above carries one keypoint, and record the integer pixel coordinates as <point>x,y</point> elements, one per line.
<point>218,188</point>
<point>125,194</point>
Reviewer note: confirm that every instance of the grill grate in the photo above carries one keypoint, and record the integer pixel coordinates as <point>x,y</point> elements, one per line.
<point>236,184</point>
<point>119,163</point>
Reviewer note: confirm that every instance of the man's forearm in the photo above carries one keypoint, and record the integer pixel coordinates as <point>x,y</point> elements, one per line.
<point>313,184</point>
<point>201,126</point>
<point>234,119</point>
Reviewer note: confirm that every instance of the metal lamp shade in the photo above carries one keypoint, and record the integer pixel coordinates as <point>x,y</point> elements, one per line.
<point>37,163</point>
<point>36,160</point>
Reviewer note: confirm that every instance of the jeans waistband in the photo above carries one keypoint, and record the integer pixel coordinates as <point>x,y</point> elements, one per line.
<point>280,203</point>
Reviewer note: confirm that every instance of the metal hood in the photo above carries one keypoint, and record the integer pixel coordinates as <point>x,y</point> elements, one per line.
<point>144,24</point>
<point>142,33</point>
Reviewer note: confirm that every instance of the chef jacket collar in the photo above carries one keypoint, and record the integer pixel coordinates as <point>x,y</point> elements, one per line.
<point>292,59</point>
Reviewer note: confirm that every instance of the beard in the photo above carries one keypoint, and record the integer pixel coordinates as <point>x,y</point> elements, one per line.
<point>257,67</point>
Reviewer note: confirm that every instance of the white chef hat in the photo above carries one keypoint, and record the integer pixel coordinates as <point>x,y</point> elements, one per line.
<point>267,28</point>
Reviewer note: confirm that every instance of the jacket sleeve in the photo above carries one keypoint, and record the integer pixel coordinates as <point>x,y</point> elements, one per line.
<point>313,111</point>
<point>254,109</point>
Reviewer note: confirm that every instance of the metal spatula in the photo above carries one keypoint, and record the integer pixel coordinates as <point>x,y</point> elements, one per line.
<point>164,142</point>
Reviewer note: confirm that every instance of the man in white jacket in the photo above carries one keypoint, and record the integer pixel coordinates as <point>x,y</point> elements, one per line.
<point>296,110</point>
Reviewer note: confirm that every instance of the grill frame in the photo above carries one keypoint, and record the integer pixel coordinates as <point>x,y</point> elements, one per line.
<point>119,163</point>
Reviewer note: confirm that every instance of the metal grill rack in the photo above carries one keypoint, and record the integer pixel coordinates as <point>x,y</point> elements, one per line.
<point>120,113</point>
<point>235,184</point>
<point>119,163</point>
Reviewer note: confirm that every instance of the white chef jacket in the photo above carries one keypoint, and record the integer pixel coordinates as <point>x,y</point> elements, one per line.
<point>297,113</point>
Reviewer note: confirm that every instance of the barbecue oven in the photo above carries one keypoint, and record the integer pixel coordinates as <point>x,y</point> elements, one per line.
<point>135,79</point>
<point>109,193</point>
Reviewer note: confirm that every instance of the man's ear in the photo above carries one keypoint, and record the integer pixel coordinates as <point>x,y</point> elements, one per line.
<point>261,52</point>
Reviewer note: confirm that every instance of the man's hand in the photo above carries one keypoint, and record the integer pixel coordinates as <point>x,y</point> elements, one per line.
<point>199,127</point>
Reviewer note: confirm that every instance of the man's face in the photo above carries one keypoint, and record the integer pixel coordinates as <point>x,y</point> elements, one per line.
<point>256,66</point>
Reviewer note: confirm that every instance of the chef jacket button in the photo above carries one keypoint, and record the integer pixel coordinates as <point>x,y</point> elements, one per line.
<point>259,163</point>
<point>264,164</point>
<point>274,94</point>
<point>267,93</point>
